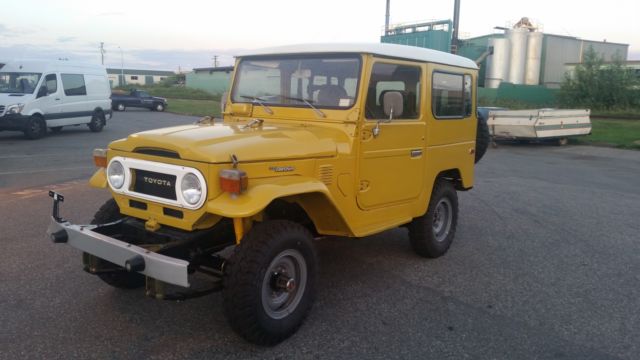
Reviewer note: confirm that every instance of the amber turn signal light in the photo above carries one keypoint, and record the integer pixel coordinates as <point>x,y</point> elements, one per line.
<point>100,157</point>
<point>233,181</point>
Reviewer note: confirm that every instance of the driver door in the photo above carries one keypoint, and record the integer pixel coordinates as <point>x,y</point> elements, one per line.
<point>392,161</point>
<point>50,103</point>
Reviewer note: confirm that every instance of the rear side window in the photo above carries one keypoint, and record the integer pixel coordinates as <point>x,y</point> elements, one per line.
<point>52,84</point>
<point>73,84</point>
<point>451,95</point>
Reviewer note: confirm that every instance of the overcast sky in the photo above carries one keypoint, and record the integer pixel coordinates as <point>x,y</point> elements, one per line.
<point>188,33</point>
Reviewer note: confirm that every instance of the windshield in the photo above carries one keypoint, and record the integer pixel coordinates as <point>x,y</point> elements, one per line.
<point>18,83</point>
<point>321,80</point>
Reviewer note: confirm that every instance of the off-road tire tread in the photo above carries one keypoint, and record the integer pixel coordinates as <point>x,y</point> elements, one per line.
<point>483,138</point>
<point>107,213</point>
<point>251,258</point>
<point>421,235</point>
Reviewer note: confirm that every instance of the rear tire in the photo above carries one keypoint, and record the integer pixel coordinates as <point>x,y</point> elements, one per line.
<point>483,138</point>
<point>122,279</point>
<point>120,107</point>
<point>97,122</point>
<point>269,282</point>
<point>431,234</point>
<point>35,127</point>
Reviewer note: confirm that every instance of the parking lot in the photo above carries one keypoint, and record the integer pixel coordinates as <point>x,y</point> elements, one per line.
<point>545,264</point>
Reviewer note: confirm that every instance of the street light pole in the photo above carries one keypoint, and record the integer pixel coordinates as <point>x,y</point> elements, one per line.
<point>122,66</point>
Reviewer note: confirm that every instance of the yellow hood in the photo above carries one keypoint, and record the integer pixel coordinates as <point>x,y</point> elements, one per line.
<point>216,143</point>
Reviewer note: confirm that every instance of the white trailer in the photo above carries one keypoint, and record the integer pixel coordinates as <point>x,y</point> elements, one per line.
<point>539,124</point>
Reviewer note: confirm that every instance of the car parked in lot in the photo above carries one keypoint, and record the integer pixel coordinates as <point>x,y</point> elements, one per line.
<point>317,140</point>
<point>36,95</point>
<point>138,98</point>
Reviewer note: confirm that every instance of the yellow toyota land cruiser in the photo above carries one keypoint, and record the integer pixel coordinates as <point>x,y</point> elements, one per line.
<point>344,140</point>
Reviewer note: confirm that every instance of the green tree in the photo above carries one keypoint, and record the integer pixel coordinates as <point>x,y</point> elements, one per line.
<point>599,85</point>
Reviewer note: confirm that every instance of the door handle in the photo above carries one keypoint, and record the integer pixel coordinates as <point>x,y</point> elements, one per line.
<point>58,99</point>
<point>416,153</point>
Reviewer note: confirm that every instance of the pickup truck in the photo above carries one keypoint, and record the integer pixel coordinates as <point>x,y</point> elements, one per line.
<point>138,98</point>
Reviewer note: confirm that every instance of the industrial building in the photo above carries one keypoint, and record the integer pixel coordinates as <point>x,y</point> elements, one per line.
<point>519,56</point>
<point>214,80</point>
<point>122,77</point>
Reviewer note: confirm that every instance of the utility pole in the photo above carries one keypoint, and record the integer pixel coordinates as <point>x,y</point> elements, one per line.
<point>102,51</point>
<point>456,26</point>
<point>215,61</point>
<point>386,18</point>
<point>122,66</point>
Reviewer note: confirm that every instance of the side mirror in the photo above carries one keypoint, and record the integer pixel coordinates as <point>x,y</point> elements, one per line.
<point>42,91</point>
<point>393,104</point>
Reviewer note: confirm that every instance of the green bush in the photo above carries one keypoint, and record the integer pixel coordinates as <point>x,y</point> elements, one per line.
<point>601,86</point>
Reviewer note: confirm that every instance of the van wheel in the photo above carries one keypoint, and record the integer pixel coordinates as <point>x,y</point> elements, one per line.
<point>97,122</point>
<point>120,107</point>
<point>431,234</point>
<point>269,282</point>
<point>562,141</point>
<point>35,128</point>
<point>56,129</point>
<point>159,107</point>
<point>122,279</point>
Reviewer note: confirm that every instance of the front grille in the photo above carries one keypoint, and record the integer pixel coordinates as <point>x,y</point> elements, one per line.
<point>154,184</point>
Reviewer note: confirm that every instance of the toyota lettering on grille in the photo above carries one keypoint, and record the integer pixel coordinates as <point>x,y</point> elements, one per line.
<point>155,181</point>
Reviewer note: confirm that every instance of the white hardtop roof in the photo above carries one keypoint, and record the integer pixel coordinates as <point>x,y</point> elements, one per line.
<point>40,65</point>
<point>389,50</point>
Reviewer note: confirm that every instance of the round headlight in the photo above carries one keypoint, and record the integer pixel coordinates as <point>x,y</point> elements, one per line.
<point>115,174</point>
<point>191,189</point>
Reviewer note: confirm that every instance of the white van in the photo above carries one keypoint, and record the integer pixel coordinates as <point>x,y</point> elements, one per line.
<point>36,95</point>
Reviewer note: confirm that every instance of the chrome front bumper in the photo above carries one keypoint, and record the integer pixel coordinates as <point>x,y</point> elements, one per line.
<point>160,267</point>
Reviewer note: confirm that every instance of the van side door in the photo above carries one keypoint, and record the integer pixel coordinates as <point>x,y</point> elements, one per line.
<point>76,108</point>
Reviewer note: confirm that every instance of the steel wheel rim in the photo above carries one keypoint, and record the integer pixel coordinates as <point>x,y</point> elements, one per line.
<point>120,107</point>
<point>159,107</point>
<point>35,127</point>
<point>442,219</point>
<point>277,302</point>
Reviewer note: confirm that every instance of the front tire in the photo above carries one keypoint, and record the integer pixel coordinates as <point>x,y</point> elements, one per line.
<point>269,282</point>
<point>159,107</point>
<point>35,128</point>
<point>122,279</point>
<point>431,234</point>
<point>483,138</point>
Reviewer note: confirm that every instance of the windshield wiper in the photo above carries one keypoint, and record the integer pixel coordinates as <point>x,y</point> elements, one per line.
<point>308,102</point>
<point>258,101</point>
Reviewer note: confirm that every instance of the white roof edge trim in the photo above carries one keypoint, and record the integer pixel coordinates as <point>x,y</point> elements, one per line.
<point>388,50</point>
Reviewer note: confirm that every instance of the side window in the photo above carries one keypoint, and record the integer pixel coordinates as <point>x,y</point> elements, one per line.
<point>392,77</point>
<point>134,77</point>
<point>52,84</point>
<point>73,84</point>
<point>451,95</point>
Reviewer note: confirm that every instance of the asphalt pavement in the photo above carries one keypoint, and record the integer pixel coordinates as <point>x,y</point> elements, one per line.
<point>545,265</point>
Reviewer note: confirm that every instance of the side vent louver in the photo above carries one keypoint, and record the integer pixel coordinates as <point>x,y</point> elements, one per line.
<point>325,174</point>
<point>158,152</point>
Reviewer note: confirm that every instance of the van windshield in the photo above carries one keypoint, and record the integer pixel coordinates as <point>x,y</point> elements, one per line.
<point>325,81</point>
<point>18,83</point>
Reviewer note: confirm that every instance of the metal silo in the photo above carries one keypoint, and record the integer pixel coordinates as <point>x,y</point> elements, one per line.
<point>497,63</point>
<point>534,53</point>
<point>518,39</point>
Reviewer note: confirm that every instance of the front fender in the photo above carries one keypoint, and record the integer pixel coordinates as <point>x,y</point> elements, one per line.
<point>261,193</point>
<point>99,179</point>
